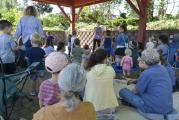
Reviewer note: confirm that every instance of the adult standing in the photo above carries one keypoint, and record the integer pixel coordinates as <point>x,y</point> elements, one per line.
<point>74,36</point>
<point>122,40</point>
<point>27,25</point>
<point>98,32</point>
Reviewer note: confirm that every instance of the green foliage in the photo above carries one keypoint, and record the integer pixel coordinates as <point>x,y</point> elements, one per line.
<point>55,20</point>
<point>129,21</point>
<point>163,25</point>
<point>12,15</point>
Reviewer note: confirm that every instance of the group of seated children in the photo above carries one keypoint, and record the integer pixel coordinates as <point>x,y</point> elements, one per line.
<point>81,85</point>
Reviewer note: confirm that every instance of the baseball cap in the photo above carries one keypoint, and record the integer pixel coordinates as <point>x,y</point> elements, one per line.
<point>55,62</point>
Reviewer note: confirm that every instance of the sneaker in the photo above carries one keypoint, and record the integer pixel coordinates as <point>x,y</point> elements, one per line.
<point>33,93</point>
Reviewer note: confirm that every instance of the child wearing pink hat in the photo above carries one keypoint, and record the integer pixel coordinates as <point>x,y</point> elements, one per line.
<point>49,89</point>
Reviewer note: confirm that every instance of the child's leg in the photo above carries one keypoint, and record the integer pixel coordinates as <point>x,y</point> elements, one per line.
<point>33,83</point>
<point>41,73</point>
<point>129,73</point>
<point>118,60</point>
<point>124,73</point>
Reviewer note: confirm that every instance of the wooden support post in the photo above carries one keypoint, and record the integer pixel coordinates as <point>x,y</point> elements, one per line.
<point>73,18</point>
<point>143,22</point>
<point>142,13</point>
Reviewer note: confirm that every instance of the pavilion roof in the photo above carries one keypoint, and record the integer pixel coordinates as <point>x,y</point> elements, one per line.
<point>73,3</point>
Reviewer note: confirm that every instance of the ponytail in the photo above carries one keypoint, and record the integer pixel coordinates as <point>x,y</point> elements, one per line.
<point>71,100</point>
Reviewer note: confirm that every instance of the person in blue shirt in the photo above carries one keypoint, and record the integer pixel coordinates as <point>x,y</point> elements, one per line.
<point>7,47</point>
<point>122,40</point>
<point>135,54</point>
<point>153,91</point>
<point>27,25</point>
<point>163,47</point>
<point>121,43</point>
<point>170,70</point>
<point>36,54</point>
<point>50,37</point>
<point>107,43</point>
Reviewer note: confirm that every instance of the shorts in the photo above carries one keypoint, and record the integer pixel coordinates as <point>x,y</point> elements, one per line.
<point>120,51</point>
<point>37,73</point>
<point>108,50</point>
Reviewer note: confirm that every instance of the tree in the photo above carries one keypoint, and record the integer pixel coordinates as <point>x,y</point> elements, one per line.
<point>44,8</point>
<point>162,7</point>
<point>151,10</point>
<point>8,4</point>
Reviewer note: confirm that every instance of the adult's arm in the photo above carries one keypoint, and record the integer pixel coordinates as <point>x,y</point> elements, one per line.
<point>40,29</point>
<point>131,62</point>
<point>122,61</point>
<point>142,83</point>
<point>18,29</point>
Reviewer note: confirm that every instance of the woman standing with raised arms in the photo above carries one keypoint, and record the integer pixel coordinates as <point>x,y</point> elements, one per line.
<point>27,25</point>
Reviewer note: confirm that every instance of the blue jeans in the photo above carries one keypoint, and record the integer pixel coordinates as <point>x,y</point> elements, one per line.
<point>132,98</point>
<point>137,102</point>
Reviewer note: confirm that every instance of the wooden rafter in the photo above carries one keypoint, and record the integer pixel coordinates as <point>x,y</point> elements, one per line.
<point>77,16</point>
<point>133,6</point>
<point>141,10</point>
<point>62,10</point>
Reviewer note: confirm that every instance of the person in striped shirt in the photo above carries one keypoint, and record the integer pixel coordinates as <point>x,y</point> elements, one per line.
<point>49,92</point>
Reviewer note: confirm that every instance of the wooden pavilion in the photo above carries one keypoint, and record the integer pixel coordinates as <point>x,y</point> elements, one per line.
<point>140,9</point>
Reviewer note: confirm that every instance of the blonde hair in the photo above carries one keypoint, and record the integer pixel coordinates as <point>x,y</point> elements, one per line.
<point>36,39</point>
<point>128,52</point>
<point>30,11</point>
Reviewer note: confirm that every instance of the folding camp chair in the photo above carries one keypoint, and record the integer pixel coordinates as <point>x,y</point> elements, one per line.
<point>11,88</point>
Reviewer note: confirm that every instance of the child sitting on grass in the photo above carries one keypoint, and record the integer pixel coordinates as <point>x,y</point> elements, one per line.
<point>36,54</point>
<point>77,52</point>
<point>127,63</point>
<point>7,47</point>
<point>49,89</point>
